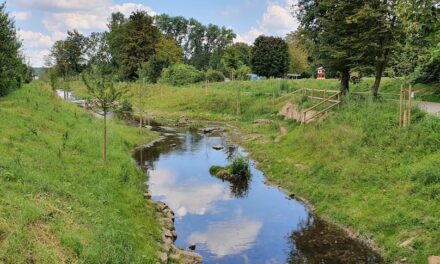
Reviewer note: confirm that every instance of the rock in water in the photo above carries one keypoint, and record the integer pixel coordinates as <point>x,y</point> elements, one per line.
<point>218,147</point>
<point>192,247</point>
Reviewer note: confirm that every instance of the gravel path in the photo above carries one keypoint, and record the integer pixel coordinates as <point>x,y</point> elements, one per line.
<point>431,108</point>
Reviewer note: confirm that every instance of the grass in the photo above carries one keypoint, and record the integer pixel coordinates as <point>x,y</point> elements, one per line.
<point>59,203</point>
<point>357,167</point>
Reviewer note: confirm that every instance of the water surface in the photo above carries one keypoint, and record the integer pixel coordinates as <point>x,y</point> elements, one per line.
<point>240,222</point>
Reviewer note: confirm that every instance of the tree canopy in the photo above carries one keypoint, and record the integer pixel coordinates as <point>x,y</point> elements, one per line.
<point>13,71</point>
<point>270,57</point>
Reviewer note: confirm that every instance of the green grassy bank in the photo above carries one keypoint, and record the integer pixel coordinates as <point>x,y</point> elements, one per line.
<point>357,167</point>
<point>59,204</point>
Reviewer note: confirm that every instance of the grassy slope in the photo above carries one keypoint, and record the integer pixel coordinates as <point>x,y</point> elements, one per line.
<point>58,203</point>
<point>357,167</point>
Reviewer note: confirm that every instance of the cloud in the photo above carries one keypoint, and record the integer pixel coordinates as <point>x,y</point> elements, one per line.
<point>62,15</point>
<point>229,237</point>
<point>277,20</point>
<point>191,198</point>
<point>20,16</point>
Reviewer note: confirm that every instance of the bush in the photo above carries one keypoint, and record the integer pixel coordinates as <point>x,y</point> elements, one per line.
<point>214,76</point>
<point>181,74</point>
<point>240,166</point>
<point>242,72</point>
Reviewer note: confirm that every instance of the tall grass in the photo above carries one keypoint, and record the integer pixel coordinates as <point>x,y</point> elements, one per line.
<point>58,203</point>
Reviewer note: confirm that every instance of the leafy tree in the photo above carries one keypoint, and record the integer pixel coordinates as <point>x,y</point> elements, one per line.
<point>132,41</point>
<point>337,34</point>
<point>235,56</point>
<point>203,46</point>
<point>298,53</point>
<point>168,52</point>
<point>242,72</point>
<point>101,86</point>
<point>270,56</point>
<point>13,71</point>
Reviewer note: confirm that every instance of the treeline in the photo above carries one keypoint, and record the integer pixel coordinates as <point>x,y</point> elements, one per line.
<point>13,70</point>
<point>373,37</point>
<point>175,50</point>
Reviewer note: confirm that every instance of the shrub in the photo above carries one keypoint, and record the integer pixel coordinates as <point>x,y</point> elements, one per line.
<point>181,74</point>
<point>214,76</point>
<point>240,166</point>
<point>242,72</point>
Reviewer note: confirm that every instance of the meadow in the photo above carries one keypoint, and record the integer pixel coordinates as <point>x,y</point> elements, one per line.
<point>358,167</point>
<point>59,204</point>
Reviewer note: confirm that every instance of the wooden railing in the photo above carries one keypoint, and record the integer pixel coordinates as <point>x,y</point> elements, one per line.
<point>330,97</point>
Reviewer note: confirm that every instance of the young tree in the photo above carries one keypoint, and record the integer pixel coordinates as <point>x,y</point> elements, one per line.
<point>270,57</point>
<point>101,86</point>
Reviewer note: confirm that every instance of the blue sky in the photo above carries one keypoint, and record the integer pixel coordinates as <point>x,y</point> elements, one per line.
<point>41,22</point>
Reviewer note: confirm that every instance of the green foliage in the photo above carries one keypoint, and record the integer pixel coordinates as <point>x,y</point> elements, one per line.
<point>203,45</point>
<point>242,72</point>
<point>13,71</point>
<point>68,55</point>
<point>69,208</point>
<point>181,74</point>
<point>270,57</point>
<point>214,76</point>
<point>240,166</point>
<point>167,53</point>
<point>236,56</point>
<point>298,54</point>
<point>132,42</point>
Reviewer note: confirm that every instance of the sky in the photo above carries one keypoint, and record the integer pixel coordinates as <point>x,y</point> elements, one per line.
<point>42,22</point>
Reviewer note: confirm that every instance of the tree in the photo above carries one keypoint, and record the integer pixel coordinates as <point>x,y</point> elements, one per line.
<point>101,86</point>
<point>270,57</point>
<point>340,42</point>
<point>13,71</point>
<point>132,41</point>
<point>235,56</point>
<point>168,52</point>
<point>298,54</point>
<point>203,46</point>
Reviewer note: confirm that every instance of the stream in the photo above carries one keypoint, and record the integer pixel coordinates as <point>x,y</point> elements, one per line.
<point>242,222</point>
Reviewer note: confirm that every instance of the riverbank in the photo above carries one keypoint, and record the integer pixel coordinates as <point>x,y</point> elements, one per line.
<point>60,204</point>
<point>357,167</point>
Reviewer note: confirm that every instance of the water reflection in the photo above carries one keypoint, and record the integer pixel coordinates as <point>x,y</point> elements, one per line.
<point>318,242</point>
<point>239,221</point>
<point>228,237</point>
<point>186,198</point>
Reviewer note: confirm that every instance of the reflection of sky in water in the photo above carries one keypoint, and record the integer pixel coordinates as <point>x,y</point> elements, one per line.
<point>253,229</point>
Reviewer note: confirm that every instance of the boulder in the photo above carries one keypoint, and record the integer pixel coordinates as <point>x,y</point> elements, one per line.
<point>210,130</point>
<point>183,120</point>
<point>434,260</point>
<point>218,147</point>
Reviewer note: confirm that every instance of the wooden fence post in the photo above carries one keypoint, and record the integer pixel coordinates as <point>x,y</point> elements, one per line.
<point>409,105</point>
<point>401,106</point>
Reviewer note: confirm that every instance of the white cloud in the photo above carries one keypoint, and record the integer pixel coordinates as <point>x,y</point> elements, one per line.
<point>62,15</point>
<point>277,20</point>
<point>190,198</point>
<point>229,237</point>
<point>20,16</point>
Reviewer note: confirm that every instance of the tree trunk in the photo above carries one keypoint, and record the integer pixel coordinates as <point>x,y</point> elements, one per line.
<point>345,81</point>
<point>141,122</point>
<point>380,67</point>
<point>104,139</point>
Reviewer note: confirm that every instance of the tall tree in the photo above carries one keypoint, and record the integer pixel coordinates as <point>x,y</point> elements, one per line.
<point>270,56</point>
<point>132,41</point>
<point>298,53</point>
<point>13,71</point>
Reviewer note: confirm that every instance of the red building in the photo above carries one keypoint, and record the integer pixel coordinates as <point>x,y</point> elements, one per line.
<point>320,75</point>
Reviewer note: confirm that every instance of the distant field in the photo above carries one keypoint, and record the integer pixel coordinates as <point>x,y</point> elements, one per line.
<point>58,203</point>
